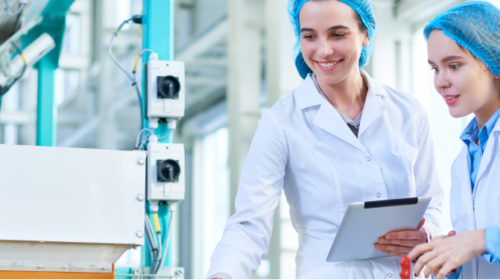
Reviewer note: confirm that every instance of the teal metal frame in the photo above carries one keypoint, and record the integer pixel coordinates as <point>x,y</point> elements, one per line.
<point>53,23</point>
<point>158,36</point>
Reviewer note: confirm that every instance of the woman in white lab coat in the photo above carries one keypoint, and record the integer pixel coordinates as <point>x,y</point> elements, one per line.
<point>340,137</point>
<point>464,51</point>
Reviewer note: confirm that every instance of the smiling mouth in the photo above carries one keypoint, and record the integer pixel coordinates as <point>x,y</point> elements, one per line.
<point>328,65</point>
<point>451,97</point>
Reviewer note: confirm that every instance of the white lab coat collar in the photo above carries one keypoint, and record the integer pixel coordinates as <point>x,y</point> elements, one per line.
<point>488,153</point>
<point>308,95</point>
<point>329,119</point>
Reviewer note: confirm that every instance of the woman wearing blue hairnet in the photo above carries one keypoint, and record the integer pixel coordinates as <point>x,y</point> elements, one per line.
<point>464,51</point>
<point>341,137</point>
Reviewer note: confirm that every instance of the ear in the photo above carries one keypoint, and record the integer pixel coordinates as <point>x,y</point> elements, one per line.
<point>497,77</point>
<point>366,41</point>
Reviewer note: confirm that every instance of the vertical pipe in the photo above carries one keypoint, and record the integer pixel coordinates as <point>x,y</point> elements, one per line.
<point>46,134</point>
<point>158,35</point>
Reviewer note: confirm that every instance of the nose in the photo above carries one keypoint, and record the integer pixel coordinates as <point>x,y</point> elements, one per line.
<point>441,82</point>
<point>324,48</point>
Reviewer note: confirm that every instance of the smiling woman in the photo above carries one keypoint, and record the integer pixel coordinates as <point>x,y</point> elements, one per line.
<point>464,53</point>
<point>340,137</point>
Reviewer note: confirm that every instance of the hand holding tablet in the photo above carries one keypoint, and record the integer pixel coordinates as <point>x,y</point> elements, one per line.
<point>365,222</point>
<point>400,243</point>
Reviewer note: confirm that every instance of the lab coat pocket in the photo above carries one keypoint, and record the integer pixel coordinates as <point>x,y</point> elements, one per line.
<point>335,271</point>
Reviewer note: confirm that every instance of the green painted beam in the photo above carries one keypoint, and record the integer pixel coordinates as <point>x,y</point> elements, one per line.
<point>158,35</point>
<point>53,23</point>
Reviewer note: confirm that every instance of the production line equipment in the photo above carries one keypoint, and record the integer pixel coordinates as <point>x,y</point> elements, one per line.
<point>78,210</point>
<point>162,102</point>
<point>165,99</point>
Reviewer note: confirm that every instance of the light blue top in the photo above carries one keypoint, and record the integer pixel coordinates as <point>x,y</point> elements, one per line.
<point>470,136</point>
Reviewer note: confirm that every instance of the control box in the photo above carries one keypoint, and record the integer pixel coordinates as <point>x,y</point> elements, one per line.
<point>165,88</point>
<point>166,172</point>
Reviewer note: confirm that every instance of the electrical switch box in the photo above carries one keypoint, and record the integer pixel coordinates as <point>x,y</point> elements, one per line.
<point>166,173</point>
<point>165,89</point>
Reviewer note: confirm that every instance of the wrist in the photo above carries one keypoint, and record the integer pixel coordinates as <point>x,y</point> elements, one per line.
<point>481,241</point>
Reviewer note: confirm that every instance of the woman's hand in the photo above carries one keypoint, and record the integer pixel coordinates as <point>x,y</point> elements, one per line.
<point>400,243</point>
<point>444,255</point>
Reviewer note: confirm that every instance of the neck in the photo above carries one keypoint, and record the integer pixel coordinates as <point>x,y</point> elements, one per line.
<point>484,114</point>
<point>348,96</point>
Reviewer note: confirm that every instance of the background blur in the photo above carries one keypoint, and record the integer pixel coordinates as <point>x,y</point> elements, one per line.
<point>238,56</point>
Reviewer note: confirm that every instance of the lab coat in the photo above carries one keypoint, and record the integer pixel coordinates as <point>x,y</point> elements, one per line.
<point>480,208</point>
<point>304,147</point>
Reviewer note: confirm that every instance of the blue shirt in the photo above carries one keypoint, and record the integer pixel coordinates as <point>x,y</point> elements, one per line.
<point>470,136</point>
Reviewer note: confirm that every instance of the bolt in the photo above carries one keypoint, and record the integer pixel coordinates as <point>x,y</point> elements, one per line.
<point>39,266</point>
<point>139,233</point>
<point>141,161</point>
<point>140,197</point>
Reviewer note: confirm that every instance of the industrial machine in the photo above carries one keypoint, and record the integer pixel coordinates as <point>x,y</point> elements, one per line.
<point>71,213</point>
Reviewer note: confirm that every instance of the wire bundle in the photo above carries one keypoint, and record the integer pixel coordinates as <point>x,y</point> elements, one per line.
<point>157,249</point>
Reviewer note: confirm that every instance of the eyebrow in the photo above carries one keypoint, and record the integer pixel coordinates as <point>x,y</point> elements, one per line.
<point>446,59</point>
<point>329,29</point>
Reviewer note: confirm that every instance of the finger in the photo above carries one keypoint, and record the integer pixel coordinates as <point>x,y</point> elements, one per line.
<point>394,254</point>
<point>395,248</point>
<point>451,233</point>
<point>446,270</point>
<point>421,249</point>
<point>428,271</point>
<point>397,254</point>
<point>423,260</point>
<point>403,242</point>
<point>407,234</point>
<point>422,222</point>
<point>435,265</point>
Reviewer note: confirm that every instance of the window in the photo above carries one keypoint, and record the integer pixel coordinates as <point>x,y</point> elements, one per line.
<point>211,197</point>
<point>72,33</point>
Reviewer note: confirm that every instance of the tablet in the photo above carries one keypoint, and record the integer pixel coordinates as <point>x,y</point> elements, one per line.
<point>365,222</point>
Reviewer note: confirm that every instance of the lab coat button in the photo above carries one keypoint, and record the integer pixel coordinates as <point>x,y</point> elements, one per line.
<point>378,195</point>
<point>389,275</point>
<point>368,159</point>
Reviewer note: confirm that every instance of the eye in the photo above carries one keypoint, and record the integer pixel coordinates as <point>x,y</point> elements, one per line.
<point>338,35</point>
<point>454,66</point>
<point>308,37</point>
<point>435,69</point>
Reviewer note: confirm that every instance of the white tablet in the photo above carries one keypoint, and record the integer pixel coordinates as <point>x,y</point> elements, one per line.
<point>365,222</point>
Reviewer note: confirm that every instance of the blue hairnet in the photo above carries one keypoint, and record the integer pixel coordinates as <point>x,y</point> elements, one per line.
<point>475,26</point>
<point>364,10</point>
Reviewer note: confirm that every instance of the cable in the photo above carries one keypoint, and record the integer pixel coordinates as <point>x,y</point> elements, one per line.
<point>111,53</point>
<point>130,77</point>
<point>18,21</point>
<point>167,135</point>
<point>172,208</point>
<point>140,134</point>
<point>21,7</point>
<point>153,246</point>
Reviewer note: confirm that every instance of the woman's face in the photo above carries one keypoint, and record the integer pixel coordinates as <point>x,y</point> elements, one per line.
<point>331,41</point>
<point>464,82</point>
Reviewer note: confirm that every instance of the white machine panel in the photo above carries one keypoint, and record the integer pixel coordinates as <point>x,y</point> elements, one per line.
<point>72,195</point>
<point>169,160</point>
<point>165,89</point>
